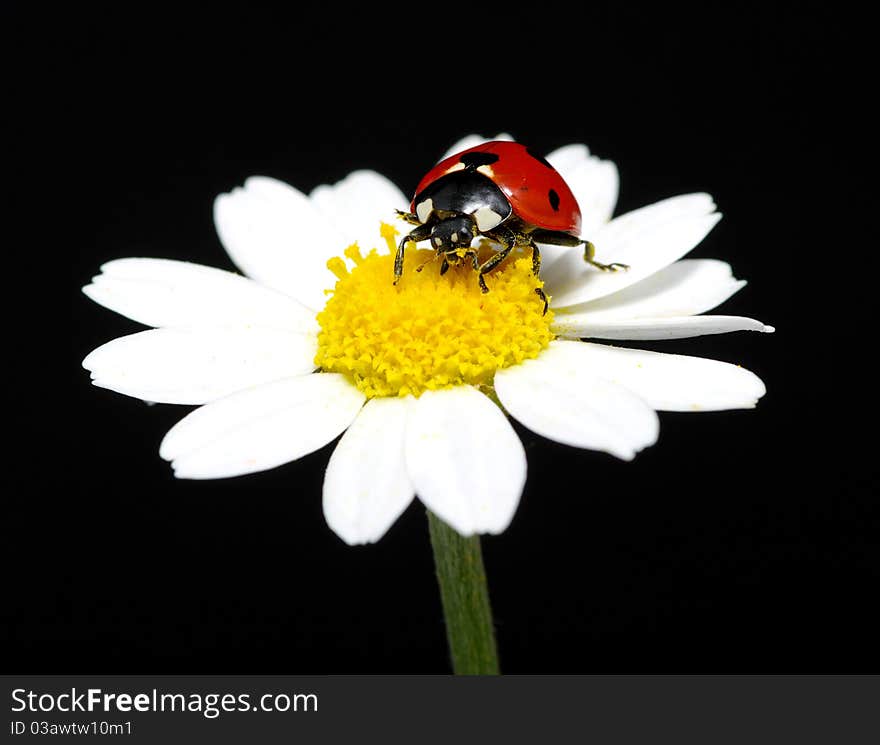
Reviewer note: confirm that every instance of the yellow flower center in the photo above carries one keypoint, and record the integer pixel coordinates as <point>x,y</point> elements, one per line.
<point>428,331</point>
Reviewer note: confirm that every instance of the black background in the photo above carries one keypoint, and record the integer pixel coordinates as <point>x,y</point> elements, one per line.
<point>728,546</point>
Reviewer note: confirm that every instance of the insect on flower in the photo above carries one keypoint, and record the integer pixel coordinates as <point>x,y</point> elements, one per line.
<point>504,191</point>
<point>314,340</point>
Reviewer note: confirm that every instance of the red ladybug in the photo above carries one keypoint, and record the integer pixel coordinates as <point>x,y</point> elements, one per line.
<point>502,190</point>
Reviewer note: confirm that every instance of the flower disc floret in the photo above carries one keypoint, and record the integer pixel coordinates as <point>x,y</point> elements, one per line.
<point>429,331</point>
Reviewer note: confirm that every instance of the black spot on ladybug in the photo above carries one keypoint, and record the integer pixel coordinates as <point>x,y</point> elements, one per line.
<point>554,200</point>
<point>475,160</point>
<point>540,158</point>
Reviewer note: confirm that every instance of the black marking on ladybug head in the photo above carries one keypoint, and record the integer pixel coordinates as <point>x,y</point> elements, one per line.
<point>452,233</point>
<point>540,158</point>
<point>554,200</point>
<point>473,161</point>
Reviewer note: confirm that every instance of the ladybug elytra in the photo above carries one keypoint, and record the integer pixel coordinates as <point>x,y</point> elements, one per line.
<point>504,191</point>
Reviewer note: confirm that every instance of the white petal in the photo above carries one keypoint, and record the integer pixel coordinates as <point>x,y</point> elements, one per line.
<point>179,366</point>
<point>668,382</point>
<point>563,400</point>
<point>276,235</point>
<point>582,326</point>
<point>594,183</point>
<point>686,288</point>
<point>366,487</point>
<point>647,239</point>
<point>472,141</point>
<point>161,292</point>
<point>569,157</point>
<point>262,427</point>
<point>358,204</point>
<point>466,462</point>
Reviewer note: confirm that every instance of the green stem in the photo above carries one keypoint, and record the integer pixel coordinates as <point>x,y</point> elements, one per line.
<point>465,596</point>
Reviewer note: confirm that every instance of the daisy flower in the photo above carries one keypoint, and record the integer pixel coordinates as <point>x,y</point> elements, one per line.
<point>315,341</point>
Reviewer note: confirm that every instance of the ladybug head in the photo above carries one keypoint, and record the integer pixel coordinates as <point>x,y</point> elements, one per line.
<point>453,233</point>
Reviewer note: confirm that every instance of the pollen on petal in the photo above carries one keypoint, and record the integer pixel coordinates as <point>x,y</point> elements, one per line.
<point>428,331</point>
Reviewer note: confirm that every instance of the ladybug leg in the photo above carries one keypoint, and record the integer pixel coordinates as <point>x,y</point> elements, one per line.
<point>536,269</point>
<point>419,234</point>
<point>558,238</point>
<point>590,252</point>
<point>491,263</point>
<point>536,258</point>
<point>408,217</point>
<point>510,239</point>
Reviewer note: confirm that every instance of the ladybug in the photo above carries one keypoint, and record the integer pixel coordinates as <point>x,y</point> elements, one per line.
<point>503,190</point>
